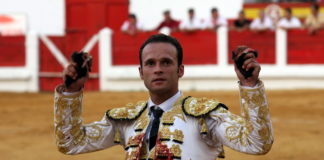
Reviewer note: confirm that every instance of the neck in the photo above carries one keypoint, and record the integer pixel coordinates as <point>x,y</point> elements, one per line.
<point>158,98</point>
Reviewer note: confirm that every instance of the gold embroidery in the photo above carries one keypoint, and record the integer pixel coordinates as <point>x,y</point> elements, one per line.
<point>130,112</point>
<point>199,106</point>
<point>178,136</point>
<point>165,134</point>
<point>162,151</point>
<point>117,137</point>
<point>167,119</point>
<point>252,100</point>
<point>132,155</point>
<point>142,122</point>
<point>134,141</point>
<point>143,152</point>
<point>232,132</point>
<point>203,125</point>
<point>176,151</point>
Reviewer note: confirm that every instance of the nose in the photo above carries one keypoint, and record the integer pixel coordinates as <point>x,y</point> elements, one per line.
<point>158,69</point>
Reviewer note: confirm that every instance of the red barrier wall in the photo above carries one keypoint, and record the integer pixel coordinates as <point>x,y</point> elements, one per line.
<point>304,48</point>
<point>263,42</point>
<point>84,18</point>
<point>12,51</point>
<point>67,45</point>
<point>91,16</point>
<point>126,47</point>
<point>198,47</point>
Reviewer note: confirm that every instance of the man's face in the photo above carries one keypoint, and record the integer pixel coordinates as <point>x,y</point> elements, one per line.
<point>159,69</point>
<point>167,16</point>
<point>191,15</point>
<point>287,14</point>
<point>215,14</point>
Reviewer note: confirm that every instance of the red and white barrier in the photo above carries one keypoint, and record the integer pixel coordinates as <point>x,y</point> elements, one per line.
<point>207,61</point>
<point>23,78</point>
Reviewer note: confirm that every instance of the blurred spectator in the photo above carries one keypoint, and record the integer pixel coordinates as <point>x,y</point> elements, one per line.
<point>242,23</point>
<point>289,21</point>
<point>314,21</point>
<point>168,22</point>
<point>215,20</point>
<point>192,23</point>
<point>131,26</point>
<point>262,23</point>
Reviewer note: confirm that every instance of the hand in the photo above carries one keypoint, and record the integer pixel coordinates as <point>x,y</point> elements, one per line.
<point>77,72</point>
<point>77,85</point>
<point>249,63</point>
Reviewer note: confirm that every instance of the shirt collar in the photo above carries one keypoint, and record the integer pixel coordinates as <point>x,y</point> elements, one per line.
<point>166,105</point>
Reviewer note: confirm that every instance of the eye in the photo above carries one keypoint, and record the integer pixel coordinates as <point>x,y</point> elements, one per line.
<point>166,62</point>
<point>149,63</point>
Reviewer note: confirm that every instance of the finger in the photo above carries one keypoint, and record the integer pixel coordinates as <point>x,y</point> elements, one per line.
<point>71,71</point>
<point>249,55</point>
<point>255,66</point>
<point>247,62</point>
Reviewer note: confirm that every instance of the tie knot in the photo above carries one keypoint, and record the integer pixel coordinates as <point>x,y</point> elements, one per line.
<point>157,111</point>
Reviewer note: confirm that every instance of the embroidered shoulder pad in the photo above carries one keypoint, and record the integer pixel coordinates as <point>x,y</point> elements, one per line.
<point>129,112</point>
<point>199,107</point>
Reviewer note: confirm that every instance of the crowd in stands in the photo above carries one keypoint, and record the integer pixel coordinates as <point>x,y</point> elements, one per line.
<point>313,22</point>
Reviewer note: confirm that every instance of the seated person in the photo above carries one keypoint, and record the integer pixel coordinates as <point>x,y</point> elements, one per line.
<point>131,26</point>
<point>191,24</point>
<point>168,22</point>
<point>315,21</point>
<point>289,21</point>
<point>262,23</point>
<point>242,23</point>
<point>215,20</point>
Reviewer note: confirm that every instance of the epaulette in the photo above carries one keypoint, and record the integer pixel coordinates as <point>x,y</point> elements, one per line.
<point>130,112</point>
<point>199,107</point>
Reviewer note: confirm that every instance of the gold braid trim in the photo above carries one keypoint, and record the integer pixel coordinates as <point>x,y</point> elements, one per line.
<point>199,107</point>
<point>204,128</point>
<point>117,137</point>
<point>130,112</point>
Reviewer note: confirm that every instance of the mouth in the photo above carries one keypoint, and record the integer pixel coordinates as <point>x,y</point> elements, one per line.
<point>158,80</point>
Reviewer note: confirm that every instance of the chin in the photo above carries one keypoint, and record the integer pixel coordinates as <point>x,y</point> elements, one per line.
<point>158,90</point>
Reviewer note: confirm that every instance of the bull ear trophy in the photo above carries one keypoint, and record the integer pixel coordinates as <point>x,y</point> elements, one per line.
<point>239,56</point>
<point>83,61</point>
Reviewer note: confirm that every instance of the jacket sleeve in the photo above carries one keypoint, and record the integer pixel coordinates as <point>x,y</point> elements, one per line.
<point>249,133</point>
<point>72,137</point>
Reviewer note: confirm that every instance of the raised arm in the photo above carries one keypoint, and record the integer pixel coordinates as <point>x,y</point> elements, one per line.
<point>252,131</point>
<point>72,136</point>
<point>249,133</point>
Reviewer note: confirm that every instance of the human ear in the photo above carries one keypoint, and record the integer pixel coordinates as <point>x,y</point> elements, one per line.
<point>180,71</point>
<point>140,70</point>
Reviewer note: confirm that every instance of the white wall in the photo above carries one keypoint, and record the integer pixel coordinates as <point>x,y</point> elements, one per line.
<point>43,16</point>
<point>149,12</point>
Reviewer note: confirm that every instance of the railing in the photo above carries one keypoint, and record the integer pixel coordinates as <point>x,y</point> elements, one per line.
<point>34,63</point>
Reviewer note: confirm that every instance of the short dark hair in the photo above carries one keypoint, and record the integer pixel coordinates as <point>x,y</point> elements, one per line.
<point>166,39</point>
<point>288,10</point>
<point>191,10</point>
<point>132,16</point>
<point>315,6</point>
<point>166,12</point>
<point>214,10</point>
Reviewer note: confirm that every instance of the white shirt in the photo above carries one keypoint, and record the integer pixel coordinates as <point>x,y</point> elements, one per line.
<point>292,23</point>
<point>220,21</point>
<point>266,24</point>
<point>194,23</point>
<point>125,26</point>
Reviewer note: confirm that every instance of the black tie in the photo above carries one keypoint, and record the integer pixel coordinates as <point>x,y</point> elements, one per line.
<point>157,113</point>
